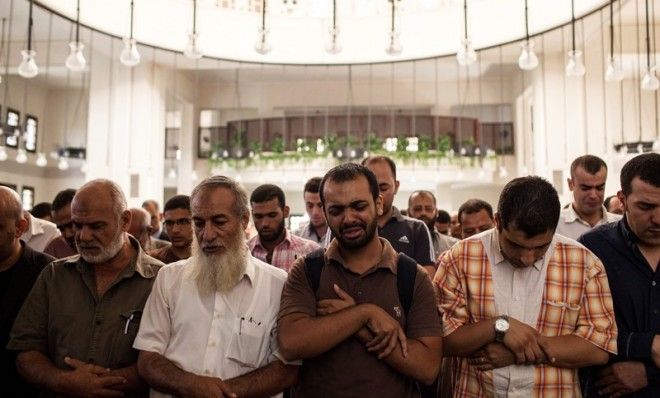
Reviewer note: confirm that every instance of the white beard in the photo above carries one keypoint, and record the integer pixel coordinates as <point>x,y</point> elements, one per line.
<point>107,253</point>
<point>219,272</point>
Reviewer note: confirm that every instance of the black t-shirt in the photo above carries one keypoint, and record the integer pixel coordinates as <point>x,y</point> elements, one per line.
<point>5,280</point>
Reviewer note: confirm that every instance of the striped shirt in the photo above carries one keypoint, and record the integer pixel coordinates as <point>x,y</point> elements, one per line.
<point>576,300</point>
<point>284,254</point>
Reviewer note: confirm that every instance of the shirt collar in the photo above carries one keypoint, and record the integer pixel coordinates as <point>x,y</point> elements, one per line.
<point>498,257</point>
<point>571,215</point>
<point>388,256</point>
<point>141,263</point>
<point>396,214</point>
<point>256,241</point>
<point>250,269</point>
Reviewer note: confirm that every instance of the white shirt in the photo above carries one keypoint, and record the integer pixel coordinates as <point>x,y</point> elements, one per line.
<point>40,233</point>
<point>222,335</point>
<point>572,226</point>
<point>518,292</point>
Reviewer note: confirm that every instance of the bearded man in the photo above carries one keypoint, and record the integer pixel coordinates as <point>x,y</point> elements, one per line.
<point>76,329</point>
<point>209,326</point>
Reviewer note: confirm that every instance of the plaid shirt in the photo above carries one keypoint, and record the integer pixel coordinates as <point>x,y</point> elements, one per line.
<point>286,252</point>
<point>576,300</point>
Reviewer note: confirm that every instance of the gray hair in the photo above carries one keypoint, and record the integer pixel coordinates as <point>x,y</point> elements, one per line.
<point>146,217</point>
<point>214,182</point>
<point>119,204</point>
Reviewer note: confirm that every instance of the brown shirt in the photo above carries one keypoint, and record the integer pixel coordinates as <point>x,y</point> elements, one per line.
<point>63,315</point>
<point>59,248</point>
<point>349,370</point>
<point>165,254</point>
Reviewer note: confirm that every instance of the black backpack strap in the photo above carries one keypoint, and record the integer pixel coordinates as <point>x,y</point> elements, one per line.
<point>405,280</point>
<point>314,263</point>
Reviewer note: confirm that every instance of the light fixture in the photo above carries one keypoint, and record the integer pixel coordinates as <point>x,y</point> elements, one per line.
<point>193,50</point>
<point>172,173</point>
<point>650,80</point>
<point>262,46</point>
<point>76,59</point>
<point>194,176</point>
<point>84,168</point>
<point>28,67</point>
<point>394,46</point>
<point>527,59</point>
<point>63,163</point>
<point>3,153</point>
<point>574,66</point>
<point>21,156</point>
<point>503,173</point>
<point>129,55</point>
<point>613,71</point>
<point>333,46</point>
<point>41,160</point>
<point>466,55</point>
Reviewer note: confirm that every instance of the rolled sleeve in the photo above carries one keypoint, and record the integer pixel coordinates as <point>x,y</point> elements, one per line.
<point>596,322</point>
<point>451,296</point>
<point>30,330</point>
<point>155,325</point>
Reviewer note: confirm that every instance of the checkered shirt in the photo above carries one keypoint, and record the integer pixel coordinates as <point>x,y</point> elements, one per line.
<point>286,252</point>
<point>576,300</point>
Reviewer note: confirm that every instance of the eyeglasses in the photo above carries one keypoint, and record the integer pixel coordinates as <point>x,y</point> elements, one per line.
<point>183,222</point>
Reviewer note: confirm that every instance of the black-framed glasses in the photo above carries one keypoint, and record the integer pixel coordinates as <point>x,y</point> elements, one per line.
<point>183,222</point>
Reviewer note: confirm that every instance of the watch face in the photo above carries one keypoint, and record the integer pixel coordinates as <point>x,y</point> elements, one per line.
<point>501,325</point>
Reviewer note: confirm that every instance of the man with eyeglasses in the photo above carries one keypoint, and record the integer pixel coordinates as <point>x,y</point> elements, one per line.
<point>64,245</point>
<point>177,217</point>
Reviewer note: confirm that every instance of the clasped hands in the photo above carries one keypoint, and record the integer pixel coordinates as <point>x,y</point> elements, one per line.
<point>522,345</point>
<point>381,333</point>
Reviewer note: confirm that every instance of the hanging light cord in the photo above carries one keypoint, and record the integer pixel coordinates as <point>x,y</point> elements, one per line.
<point>78,22</point>
<point>132,5</point>
<point>526,22</point>
<point>393,14</point>
<point>573,25</point>
<point>195,16</point>
<point>611,28</point>
<point>648,39</point>
<point>465,19</point>
<point>263,15</point>
<point>334,14</point>
<point>30,28</point>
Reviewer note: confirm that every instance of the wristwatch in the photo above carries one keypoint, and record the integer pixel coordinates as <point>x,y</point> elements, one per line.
<point>501,327</point>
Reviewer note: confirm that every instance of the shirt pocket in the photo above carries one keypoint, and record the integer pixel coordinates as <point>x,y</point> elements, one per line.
<point>125,331</point>
<point>560,316</point>
<point>248,343</point>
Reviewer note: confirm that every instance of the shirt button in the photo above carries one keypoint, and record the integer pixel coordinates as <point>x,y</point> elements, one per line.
<point>653,283</point>
<point>359,293</point>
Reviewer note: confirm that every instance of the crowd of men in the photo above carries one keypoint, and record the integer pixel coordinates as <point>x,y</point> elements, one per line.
<point>527,299</point>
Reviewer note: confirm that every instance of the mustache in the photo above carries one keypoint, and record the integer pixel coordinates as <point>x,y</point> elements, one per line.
<point>353,225</point>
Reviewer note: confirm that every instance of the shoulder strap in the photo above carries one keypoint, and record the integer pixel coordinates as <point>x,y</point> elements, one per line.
<point>405,280</point>
<point>314,263</point>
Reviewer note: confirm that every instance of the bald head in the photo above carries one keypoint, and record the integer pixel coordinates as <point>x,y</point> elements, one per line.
<point>10,203</point>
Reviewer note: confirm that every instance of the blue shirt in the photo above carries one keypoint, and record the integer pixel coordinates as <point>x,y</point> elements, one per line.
<point>635,291</point>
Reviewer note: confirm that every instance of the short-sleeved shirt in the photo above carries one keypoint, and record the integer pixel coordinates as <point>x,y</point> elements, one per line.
<point>572,226</point>
<point>218,334</point>
<point>576,301</point>
<point>64,316</point>
<point>409,236</point>
<point>284,254</point>
<point>348,369</point>
<point>40,234</point>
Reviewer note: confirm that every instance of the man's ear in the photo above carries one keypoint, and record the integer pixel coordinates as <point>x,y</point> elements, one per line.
<point>125,220</point>
<point>379,205</point>
<point>571,185</point>
<point>396,186</point>
<point>21,226</point>
<point>622,198</point>
<point>285,211</point>
<point>498,221</point>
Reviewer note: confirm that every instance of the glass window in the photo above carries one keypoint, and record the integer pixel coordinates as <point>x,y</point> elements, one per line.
<point>31,124</point>
<point>13,130</point>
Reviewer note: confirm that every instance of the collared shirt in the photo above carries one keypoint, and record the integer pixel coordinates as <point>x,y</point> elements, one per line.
<point>64,316</point>
<point>576,300</point>
<point>40,233</point>
<point>307,231</point>
<point>165,254</point>
<point>221,335</point>
<point>636,295</point>
<point>284,254</point>
<point>572,226</point>
<point>518,292</point>
<point>60,248</point>
<point>348,369</point>
<point>409,236</point>
<point>441,242</point>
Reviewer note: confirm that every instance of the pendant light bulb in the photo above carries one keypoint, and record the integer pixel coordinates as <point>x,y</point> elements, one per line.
<point>466,55</point>
<point>83,167</point>
<point>333,46</point>
<point>21,156</point>
<point>656,145</point>
<point>193,49</point>
<point>63,163</point>
<point>613,72</point>
<point>41,159</point>
<point>575,65</point>
<point>394,47</point>
<point>262,46</point>
<point>194,176</point>
<point>28,67</point>
<point>172,173</point>
<point>528,59</point>
<point>76,60</point>
<point>129,55</point>
<point>650,81</point>
<point>3,153</point>
<point>503,173</point>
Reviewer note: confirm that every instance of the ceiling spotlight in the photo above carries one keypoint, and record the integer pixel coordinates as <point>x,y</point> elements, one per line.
<point>41,160</point>
<point>21,156</point>
<point>63,163</point>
